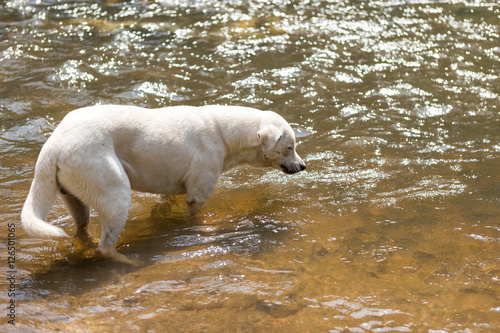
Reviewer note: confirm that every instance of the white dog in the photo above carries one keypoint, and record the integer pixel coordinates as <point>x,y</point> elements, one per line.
<point>98,154</point>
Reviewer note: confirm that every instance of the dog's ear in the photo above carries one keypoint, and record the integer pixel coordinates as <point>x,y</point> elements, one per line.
<point>269,136</point>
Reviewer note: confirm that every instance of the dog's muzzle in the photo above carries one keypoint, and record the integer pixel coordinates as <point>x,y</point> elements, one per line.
<point>293,168</point>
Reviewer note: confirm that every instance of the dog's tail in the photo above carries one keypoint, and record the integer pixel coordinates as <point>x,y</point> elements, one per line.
<point>43,193</point>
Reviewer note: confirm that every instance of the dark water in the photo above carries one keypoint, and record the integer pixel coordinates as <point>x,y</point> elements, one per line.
<point>393,227</point>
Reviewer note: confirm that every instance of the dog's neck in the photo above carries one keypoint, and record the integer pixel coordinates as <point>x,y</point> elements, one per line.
<point>242,145</point>
<point>251,156</point>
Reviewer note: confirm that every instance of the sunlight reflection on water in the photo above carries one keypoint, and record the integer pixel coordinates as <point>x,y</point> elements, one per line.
<point>394,225</point>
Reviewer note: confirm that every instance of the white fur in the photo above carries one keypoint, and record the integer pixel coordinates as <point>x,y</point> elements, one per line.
<point>98,154</point>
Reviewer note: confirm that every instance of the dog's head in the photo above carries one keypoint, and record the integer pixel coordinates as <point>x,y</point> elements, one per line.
<point>278,148</point>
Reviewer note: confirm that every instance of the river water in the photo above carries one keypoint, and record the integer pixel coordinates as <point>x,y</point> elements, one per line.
<point>394,226</point>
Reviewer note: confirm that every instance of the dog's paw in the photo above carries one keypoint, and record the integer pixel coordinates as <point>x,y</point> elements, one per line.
<point>110,252</point>
<point>84,241</point>
<point>126,260</point>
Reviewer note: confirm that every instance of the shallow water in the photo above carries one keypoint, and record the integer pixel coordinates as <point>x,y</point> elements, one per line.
<point>394,226</point>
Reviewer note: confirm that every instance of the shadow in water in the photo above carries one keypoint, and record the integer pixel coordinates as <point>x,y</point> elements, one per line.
<point>165,236</point>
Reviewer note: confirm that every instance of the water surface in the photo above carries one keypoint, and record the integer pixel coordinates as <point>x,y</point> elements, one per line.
<point>394,226</point>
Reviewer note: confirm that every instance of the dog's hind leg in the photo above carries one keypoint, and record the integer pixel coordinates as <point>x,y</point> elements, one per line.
<point>81,215</point>
<point>99,182</point>
<point>112,224</point>
<point>112,202</point>
<point>113,212</point>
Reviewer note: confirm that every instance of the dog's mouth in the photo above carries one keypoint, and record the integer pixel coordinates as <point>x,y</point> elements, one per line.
<point>293,169</point>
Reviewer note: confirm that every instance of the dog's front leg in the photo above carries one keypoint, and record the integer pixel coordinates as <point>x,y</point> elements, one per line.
<point>194,208</point>
<point>199,187</point>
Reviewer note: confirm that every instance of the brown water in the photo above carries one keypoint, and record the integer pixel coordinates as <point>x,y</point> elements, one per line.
<point>395,225</point>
